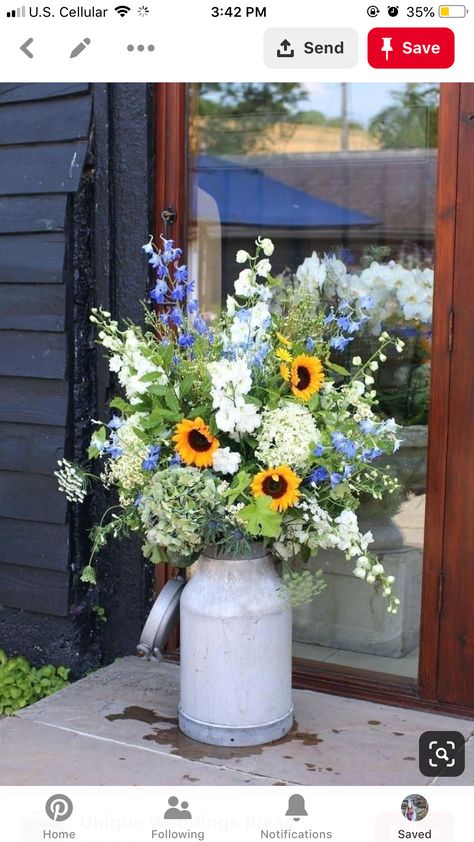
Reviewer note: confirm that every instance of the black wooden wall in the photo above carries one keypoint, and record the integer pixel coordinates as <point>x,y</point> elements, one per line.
<point>44,134</point>
<point>68,239</point>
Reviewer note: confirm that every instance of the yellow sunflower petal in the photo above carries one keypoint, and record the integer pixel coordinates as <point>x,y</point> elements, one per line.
<point>307,376</point>
<point>281,484</point>
<point>195,443</point>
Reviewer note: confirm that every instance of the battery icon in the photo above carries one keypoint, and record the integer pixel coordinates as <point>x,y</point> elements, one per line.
<point>452,11</point>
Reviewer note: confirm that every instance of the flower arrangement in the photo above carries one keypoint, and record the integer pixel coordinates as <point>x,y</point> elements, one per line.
<point>240,427</point>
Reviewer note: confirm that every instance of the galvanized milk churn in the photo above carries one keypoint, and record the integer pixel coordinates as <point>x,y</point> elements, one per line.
<point>235,648</point>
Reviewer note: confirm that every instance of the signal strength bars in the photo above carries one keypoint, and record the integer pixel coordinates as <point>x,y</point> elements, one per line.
<point>17,13</point>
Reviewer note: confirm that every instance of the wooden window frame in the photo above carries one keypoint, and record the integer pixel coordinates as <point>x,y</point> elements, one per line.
<point>171,192</point>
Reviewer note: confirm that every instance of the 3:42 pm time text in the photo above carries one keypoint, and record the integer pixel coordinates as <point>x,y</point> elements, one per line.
<point>239,11</point>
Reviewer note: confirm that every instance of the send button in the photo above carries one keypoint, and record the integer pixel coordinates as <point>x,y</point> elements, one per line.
<point>333,48</point>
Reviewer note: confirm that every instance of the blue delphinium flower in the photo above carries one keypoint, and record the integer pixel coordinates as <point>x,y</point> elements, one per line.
<point>329,318</point>
<point>340,342</point>
<point>151,460</point>
<point>371,453</point>
<point>310,344</point>
<point>319,475</point>
<point>318,450</point>
<point>176,316</point>
<point>200,326</point>
<point>158,293</point>
<point>114,448</point>
<point>243,315</point>
<point>344,322</point>
<point>368,302</point>
<point>368,426</point>
<point>354,327</point>
<point>346,256</point>
<point>261,354</point>
<point>193,306</point>
<point>181,274</point>
<point>164,318</point>
<point>175,461</point>
<point>336,479</point>
<point>178,293</point>
<point>344,445</point>
<point>115,423</point>
<point>186,340</point>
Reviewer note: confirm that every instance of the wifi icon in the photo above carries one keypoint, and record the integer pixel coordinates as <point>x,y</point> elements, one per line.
<point>122,10</point>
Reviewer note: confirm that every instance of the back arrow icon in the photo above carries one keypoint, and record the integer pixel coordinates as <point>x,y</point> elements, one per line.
<point>24,48</point>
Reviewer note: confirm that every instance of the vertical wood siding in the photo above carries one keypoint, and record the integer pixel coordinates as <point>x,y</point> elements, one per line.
<point>44,136</point>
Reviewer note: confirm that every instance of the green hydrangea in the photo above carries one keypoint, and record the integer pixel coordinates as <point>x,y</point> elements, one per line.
<point>175,511</point>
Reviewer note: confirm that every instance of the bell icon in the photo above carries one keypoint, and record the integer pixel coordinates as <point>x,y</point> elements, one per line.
<point>296,807</point>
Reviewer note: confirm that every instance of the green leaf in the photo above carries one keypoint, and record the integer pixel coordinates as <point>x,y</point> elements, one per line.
<point>119,403</point>
<point>260,519</point>
<point>186,385</point>
<point>158,390</point>
<point>199,412</point>
<point>172,402</point>
<point>339,369</point>
<point>305,553</point>
<point>240,482</point>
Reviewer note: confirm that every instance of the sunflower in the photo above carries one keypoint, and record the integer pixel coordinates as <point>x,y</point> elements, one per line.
<point>195,443</point>
<point>279,483</point>
<point>306,376</point>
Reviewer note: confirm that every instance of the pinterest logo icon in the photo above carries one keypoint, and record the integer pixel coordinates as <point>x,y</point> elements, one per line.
<point>59,808</point>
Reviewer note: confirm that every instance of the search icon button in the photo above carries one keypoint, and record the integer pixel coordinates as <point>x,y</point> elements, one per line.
<point>442,754</point>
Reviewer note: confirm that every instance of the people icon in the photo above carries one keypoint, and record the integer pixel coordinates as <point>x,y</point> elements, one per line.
<point>174,812</point>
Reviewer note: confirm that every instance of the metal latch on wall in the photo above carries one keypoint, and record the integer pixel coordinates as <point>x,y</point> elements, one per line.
<point>168,216</point>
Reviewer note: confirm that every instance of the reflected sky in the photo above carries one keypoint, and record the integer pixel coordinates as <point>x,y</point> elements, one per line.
<point>364,100</point>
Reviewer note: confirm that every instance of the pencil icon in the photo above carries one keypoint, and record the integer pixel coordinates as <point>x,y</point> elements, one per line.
<point>80,47</point>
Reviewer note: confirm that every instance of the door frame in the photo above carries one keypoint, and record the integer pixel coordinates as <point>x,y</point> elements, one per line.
<point>171,191</point>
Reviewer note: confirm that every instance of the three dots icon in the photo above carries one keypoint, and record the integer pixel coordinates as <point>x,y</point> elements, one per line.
<point>141,48</point>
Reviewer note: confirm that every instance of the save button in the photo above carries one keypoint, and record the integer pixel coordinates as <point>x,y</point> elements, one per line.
<point>416,48</point>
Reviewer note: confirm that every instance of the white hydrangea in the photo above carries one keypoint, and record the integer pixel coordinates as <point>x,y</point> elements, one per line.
<point>226,461</point>
<point>287,436</point>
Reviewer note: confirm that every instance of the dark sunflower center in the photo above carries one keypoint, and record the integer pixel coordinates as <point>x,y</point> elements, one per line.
<point>275,486</point>
<point>198,441</point>
<point>304,377</point>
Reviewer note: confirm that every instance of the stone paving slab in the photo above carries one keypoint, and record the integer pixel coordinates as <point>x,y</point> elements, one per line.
<point>335,741</point>
<point>35,754</point>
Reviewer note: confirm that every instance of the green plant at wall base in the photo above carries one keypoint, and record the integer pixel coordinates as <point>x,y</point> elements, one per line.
<point>22,684</point>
